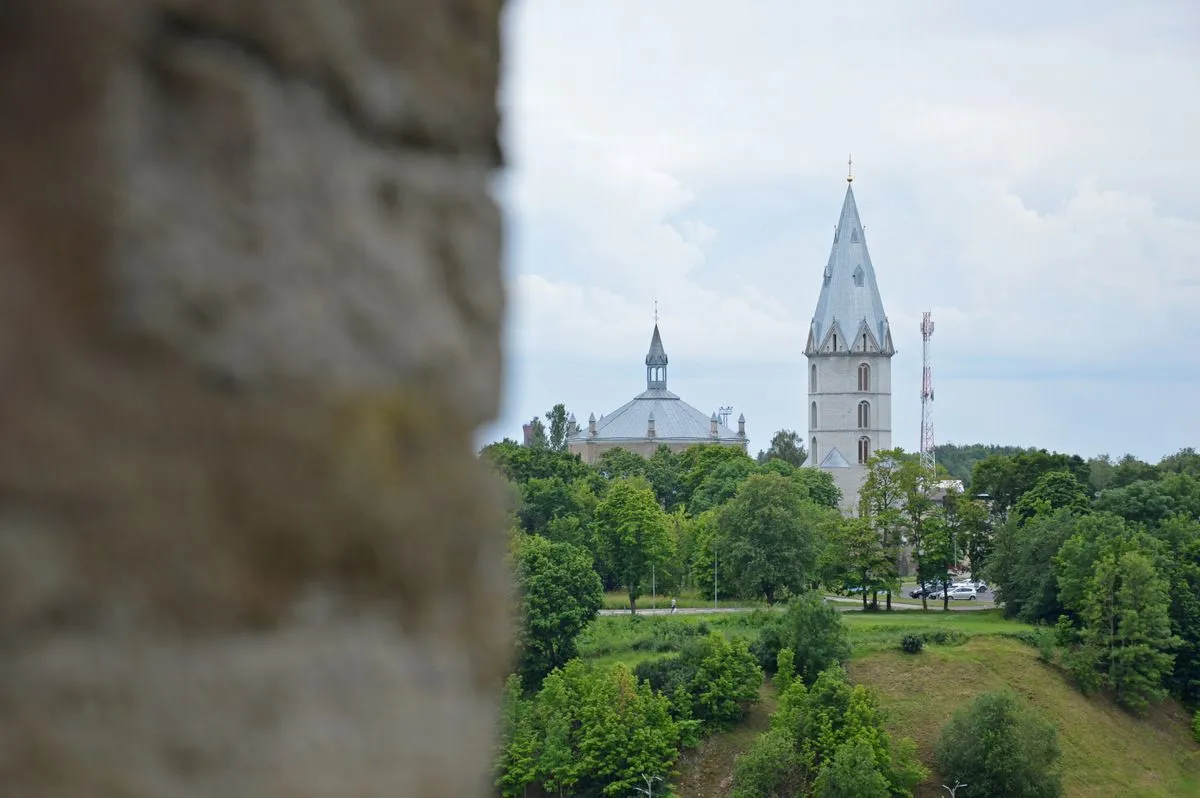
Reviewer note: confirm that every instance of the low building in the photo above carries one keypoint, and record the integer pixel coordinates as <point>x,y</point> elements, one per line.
<point>655,417</point>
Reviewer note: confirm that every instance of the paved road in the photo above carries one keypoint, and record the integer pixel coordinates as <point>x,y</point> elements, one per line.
<point>845,603</point>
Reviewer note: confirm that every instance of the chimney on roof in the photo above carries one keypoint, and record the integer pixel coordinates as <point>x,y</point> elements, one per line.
<point>591,425</point>
<point>742,425</point>
<point>712,426</point>
<point>650,426</point>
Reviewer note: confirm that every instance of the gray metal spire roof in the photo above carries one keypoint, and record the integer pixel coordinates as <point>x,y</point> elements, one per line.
<point>849,297</point>
<point>673,418</point>
<point>657,356</point>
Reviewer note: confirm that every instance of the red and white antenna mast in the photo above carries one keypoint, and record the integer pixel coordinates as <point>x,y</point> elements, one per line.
<point>927,444</point>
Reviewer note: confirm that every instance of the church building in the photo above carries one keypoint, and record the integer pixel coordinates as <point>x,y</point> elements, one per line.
<point>655,417</point>
<point>849,354</point>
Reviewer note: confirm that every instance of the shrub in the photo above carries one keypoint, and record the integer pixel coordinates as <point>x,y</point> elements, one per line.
<point>1002,748</point>
<point>1196,726</point>
<point>912,644</point>
<point>710,681</point>
<point>770,767</point>
<point>785,669</point>
<point>812,629</point>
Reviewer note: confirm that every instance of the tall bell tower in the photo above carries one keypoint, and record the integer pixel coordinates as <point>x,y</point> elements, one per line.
<point>849,354</point>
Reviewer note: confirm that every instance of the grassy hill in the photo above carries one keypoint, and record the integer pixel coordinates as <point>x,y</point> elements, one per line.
<point>1106,751</point>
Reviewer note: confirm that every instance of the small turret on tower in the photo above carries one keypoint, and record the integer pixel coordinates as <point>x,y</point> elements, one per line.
<point>742,425</point>
<point>713,426</point>
<point>592,425</point>
<point>656,363</point>
<point>650,426</point>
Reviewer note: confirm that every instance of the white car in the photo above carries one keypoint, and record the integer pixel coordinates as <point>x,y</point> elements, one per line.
<point>963,592</point>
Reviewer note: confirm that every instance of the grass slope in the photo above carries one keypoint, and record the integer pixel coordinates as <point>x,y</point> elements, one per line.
<point>1106,751</point>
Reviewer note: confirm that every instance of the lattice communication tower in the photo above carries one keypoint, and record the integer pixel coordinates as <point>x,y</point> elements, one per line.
<point>927,444</point>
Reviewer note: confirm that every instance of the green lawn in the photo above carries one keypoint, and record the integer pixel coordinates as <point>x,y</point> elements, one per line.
<point>619,600</point>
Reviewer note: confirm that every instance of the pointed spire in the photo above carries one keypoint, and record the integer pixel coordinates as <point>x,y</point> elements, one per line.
<point>849,305</point>
<point>656,363</point>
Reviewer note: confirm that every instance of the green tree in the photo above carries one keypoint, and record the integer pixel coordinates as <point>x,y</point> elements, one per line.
<point>1001,748</point>
<point>785,668</point>
<point>919,513</point>
<point>1052,491</point>
<point>720,484</point>
<point>663,469</point>
<point>1127,638</point>
<point>854,557</point>
<point>620,463</point>
<point>632,534</point>
<point>770,769</point>
<point>711,681</point>
<point>881,498</point>
<point>852,773</point>
<point>560,594</point>
<point>819,486</point>
<point>1022,567</point>
<point>516,760</point>
<point>696,462</point>
<point>537,437</point>
<point>970,523</point>
<point>815,633</point>
<point>770,536</point>
<point>786,445</point>
<point>559,428</point>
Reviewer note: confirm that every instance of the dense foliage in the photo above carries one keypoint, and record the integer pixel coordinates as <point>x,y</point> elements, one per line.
<point>587,732</point>
<point>1000,748</point>
<point>1118,576</point>
<point>1102,554</point>
<point>827,740</point>
<point>560,594</point>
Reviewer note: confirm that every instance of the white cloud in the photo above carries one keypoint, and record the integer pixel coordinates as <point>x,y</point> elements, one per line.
<point>1026,175</point>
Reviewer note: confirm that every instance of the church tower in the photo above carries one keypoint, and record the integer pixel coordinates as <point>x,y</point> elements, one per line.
<point>849,354</point>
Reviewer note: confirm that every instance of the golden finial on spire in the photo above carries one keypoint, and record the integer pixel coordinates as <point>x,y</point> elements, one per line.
<point>850,169</point>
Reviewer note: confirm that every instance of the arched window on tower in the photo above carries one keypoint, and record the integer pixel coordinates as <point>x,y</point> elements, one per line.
<point>864,415</point>
<point>812,378</point>
<point>835,342</point>
<point>812,416</point>
<point>864,342</point>
<point>864,377</point>
<point>864,449</point>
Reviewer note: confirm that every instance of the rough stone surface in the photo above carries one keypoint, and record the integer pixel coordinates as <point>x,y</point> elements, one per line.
<point>250,306</point>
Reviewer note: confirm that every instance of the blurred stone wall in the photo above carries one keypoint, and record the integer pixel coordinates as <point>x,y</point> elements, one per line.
<point>250,308</point>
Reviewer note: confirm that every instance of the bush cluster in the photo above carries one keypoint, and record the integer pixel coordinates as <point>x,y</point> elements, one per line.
<point>1001,747</point>
<point>1196,726</point>
<point>912,644</point>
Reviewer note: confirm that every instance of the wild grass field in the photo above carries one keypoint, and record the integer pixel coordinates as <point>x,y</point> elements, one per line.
<point>1106,751</point>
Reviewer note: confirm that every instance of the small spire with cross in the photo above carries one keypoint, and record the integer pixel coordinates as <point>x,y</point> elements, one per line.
<point>850,169</point>
<point>656,311</point>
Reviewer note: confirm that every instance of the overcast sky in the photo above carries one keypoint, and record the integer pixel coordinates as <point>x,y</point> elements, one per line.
<point>1025,170</point>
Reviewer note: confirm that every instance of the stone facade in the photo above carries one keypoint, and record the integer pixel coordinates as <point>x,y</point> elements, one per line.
<point>849,353</point>
<point>591,451</point>
<point>250,307</point>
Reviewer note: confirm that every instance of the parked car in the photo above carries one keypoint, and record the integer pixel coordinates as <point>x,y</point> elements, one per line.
<point>929,590</point>
<point>979,586</point>
<point>963,592</point>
